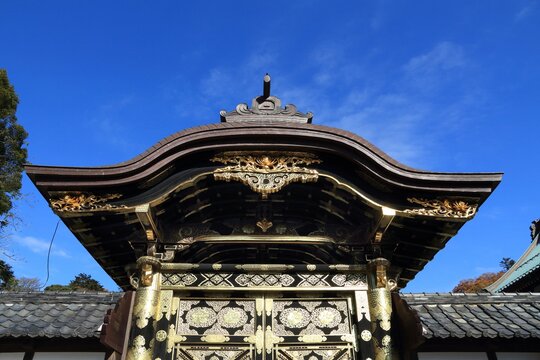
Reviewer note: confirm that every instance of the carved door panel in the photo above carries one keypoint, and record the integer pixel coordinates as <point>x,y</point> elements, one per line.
<point>309,329</point>
<point>218,329</point>
<point>264,328</point>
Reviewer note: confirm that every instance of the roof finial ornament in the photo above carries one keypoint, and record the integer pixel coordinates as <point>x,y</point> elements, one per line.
<point>266,107</point>
<point>266,85</point>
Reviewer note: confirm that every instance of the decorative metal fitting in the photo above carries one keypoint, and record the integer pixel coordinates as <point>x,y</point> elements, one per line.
<point>266,107</point>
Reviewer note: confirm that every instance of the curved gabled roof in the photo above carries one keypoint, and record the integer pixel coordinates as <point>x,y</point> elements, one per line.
<point>348,187</point>
<point>266,135</point>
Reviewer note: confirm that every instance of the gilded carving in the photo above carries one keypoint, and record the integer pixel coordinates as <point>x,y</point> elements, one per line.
<point>80,202</point>
<point>365,335</point>
<point>264,225</point>
<point>257,339</point>
<point>270,339</point>
<point>146,302</point>
<point>313,338</point>
<point>264,280</point>
<point>349,279</point>
<point>215,338</point>
<point>138,350</point>
<point>306,352</point>
<point>266,172</point>
<point>161,335</point>
<point>308,317</point>
<point>228,317</point>
<point>443,208</point>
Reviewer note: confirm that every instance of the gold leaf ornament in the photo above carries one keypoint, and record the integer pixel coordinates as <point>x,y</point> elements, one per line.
<point>266,172</point>
<point>442,208</point>
<point>80,202</point>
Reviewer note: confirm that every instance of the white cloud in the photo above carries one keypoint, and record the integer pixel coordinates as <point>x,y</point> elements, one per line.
<point>445,55</point>
<point>397,108</point>
<point>525,11</point>
<point>429,70</point>
<point>39,246</point>
<point>106,126</point>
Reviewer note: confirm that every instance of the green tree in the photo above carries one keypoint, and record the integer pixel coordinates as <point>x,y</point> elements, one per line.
<point>13,153</point>
<point>85,282</point>
<point>507,263</point>
<point>57,287</point>
<point>7,277</point>
<point>81,282</point>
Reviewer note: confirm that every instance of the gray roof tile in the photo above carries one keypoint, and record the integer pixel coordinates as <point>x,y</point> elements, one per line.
<point>51,314</point>
<point>482,315</point>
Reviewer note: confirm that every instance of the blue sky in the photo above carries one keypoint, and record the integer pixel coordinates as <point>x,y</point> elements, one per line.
<point>444,86</point>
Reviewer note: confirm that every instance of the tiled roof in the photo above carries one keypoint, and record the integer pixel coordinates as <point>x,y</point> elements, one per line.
<point>482,315</point>
<point>53,314</point>
<point>528,263</point>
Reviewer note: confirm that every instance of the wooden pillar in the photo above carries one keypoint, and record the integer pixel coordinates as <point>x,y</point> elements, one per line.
<point>145,307</point>
<point>380,307</point>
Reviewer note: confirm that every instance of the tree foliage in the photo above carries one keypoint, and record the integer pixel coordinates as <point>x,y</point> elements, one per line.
<point>507,263</point>
<point>25,284</point>
<point>477,284</point>
<point>13,153</point>
<point>86,282</point>
<point>7,277</point>
<point>484,280</point>
<point>81,282</point>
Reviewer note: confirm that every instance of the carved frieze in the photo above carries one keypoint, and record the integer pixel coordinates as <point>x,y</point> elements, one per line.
<point>250,280</point>
<point>80,202</point>
<point>443,208</point>
<point>266,172</point>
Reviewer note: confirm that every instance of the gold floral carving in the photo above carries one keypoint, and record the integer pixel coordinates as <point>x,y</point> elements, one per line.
<point>442,208</point>
<point>264,225</point>
<point>80,202</point>
<point>266,172</point>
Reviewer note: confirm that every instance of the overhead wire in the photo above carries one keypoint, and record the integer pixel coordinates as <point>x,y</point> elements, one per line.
<point>49,253</point>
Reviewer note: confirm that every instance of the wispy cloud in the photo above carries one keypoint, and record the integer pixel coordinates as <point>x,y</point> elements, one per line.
<point>394,109</point>
<point>395,106</point>
<point>39,246</point>
<point>107,124</point>
<point>426,71</point>
<point>525,11</point>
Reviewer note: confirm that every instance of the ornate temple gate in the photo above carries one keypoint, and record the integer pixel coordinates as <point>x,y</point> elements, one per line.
<point>225,311</point>
<point>265,186</point>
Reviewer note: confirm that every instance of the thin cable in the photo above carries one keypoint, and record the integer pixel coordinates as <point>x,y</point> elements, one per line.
<point>49,253</point>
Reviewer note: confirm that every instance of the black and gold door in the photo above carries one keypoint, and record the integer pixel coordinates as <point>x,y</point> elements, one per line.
<point>263,327</point>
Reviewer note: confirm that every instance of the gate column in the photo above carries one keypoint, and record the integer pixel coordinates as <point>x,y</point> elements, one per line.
<point>141,344</point>
<point>380,307</point>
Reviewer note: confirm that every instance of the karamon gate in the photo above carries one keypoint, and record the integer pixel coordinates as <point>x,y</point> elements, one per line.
<point>263,236</point>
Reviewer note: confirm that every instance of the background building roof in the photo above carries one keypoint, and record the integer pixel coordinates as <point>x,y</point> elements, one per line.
<point>54,314</point>
<point>482,315</point>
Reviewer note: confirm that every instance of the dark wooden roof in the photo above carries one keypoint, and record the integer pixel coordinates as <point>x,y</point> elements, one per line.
<point>347,203</point>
